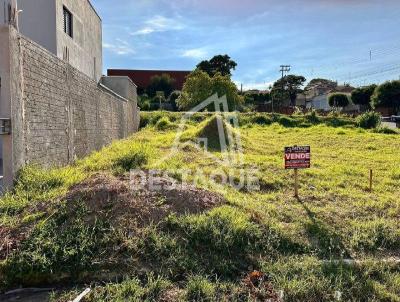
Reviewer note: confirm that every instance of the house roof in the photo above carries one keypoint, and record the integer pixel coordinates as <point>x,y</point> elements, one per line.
<point>142,78</point>
<point>344,89</point>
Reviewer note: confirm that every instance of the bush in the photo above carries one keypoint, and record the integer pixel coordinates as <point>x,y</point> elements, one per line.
<point>286,121</point>
<point>120,155</point>
<point>338,100</point>
<point>130,161</point>
<point>164,124</point>
<point>144,120</point>
<point>145,105</point>
<point>200,289</point>
<point>173,98</point>
<point>369,120</point>
<point>262,120</point>
<point>386,130</point>
<point>313,117</point>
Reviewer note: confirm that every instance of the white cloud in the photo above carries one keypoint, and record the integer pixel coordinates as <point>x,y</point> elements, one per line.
<point>144,31</point>
<point>120,47</point>
<point>158,24</point>
<point>196,53</point>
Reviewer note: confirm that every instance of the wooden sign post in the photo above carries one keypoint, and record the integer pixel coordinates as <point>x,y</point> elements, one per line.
<point>297,157</point>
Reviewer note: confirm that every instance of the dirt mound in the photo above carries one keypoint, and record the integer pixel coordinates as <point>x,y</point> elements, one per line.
<point>121,199</point>
<point>123,203</point>
<point>211,130</point>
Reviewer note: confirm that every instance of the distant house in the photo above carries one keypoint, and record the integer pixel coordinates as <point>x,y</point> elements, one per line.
<point>142,78</point>
<point>317,97</point>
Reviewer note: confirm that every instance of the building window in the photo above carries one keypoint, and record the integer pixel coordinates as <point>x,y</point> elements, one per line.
<point>68,22</point>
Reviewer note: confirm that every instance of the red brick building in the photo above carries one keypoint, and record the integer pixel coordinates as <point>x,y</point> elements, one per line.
<point>142,77</point>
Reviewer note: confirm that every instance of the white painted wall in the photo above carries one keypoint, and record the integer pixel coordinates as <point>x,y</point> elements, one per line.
<point>320,103</point>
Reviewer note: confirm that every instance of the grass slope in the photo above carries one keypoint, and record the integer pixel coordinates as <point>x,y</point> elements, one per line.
<point>206,256</point>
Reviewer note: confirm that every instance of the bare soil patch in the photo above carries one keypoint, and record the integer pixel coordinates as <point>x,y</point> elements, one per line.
<point>121,198</point>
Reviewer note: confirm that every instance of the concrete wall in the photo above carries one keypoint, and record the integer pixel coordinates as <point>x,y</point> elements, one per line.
<point>5,97</point>
<point>58,114</point>
<point>38,22</point>
<point>121,85</point>
<point>85,48</point>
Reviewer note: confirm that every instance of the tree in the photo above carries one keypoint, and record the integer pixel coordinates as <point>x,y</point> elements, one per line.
<point>160,98</point>
<point>174,96</point>
<point>218,64</point>
<point>144,102</point>
<point>338,100</point>
<point>256,97</point>
<point>287,88</point>
<point>362,96</point>
<point>388,95</point>
<point>320,83</point>
<point>199,86</point>
<point>162,83</point>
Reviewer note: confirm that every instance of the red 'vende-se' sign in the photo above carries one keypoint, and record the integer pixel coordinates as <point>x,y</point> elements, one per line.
<point>298,157</point>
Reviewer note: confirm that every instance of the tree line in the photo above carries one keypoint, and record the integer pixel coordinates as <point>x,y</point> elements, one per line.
<point>214,76</point>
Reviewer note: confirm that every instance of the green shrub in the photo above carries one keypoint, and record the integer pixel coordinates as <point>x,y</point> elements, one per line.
<point>130,161</point>
<point>335,119</point>
<point>286,121</point>
<point>120,156</point>
<point>164,124</point>
<point>145,105</point>
<point>369,120</point>
<point>199,289</point>
<point>262,120</point>
<point>313,117</point>
<point>338,100</point>
<point>386,130</point>
<point>144,120</point>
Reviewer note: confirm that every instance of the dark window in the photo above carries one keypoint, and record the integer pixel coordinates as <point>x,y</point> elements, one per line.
<point>68,28</point>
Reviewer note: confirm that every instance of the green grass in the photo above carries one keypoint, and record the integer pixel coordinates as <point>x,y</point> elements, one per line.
<point>204,257</point>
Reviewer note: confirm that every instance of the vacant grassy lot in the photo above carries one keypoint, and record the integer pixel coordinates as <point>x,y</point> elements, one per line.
<point>205,255</point>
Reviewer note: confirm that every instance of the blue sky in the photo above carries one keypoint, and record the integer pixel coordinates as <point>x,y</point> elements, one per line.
<point>319,38</point>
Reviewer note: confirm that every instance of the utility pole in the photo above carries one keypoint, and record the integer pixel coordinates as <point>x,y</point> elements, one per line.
<point>284,70</point>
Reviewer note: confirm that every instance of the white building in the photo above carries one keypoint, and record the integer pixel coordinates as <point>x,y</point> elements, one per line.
<point>318,98</point>
<point>70,29</point>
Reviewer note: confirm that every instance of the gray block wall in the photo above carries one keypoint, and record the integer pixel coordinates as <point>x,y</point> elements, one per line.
<point>58,113</point>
